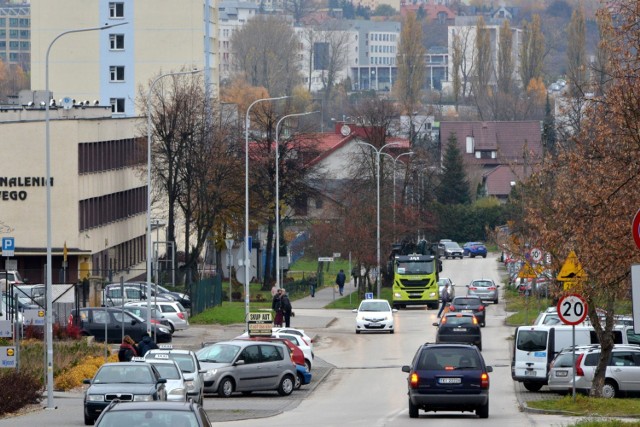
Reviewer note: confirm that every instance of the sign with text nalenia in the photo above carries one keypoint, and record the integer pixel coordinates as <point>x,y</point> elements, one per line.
<point>572,309</point>
<point>7,357</point>
<point>259,323</point>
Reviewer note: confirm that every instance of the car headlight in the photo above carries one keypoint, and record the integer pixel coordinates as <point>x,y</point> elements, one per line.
<point>432,294</point>
<point>142,398</point>
<point>210,373</point>
<point>397,295</point>
<point>190,385</point>
<point>177,392</point>
<point>164,330</point>
<point>95,397</point>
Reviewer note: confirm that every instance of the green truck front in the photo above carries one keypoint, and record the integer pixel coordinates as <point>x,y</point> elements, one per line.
<point>415,280</point>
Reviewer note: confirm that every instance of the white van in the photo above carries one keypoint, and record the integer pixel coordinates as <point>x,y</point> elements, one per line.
<point>535,347</point>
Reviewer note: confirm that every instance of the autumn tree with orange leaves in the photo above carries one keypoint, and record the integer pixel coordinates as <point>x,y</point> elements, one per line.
<point>586,198</point>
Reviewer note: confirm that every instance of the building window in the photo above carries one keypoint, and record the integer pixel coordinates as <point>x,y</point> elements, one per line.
<point>117,105</point>
<point>318,203</point>
<point>470,147</point>
<point>116,41</point>
<point>116,73</point>
<point>116,10</point>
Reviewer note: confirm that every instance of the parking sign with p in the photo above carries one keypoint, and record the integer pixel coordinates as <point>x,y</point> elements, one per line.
<point>8,246</point>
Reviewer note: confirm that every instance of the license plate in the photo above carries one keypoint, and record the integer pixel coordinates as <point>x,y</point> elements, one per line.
<point>374,324</point>
<point>561,373</point>
<point>460,330</point>
<point>530,373</point>
<point>467,311</point>
<point>450,380</point>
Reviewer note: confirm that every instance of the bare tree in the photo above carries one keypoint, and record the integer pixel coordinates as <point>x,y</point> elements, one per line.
<point>266,50</point>
<point>532,51</point>
<point>505,59</point>
<point>483,66</point>
<point>411,67</point>
<point>463,52</point>
<point>577,53</point>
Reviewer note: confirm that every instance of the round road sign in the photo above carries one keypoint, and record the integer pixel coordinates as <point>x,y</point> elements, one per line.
<point>572,309</point>
<point>536,255</point>
<point>635,229</point>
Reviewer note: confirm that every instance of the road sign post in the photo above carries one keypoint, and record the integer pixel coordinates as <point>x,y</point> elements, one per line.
<point>572,310</point>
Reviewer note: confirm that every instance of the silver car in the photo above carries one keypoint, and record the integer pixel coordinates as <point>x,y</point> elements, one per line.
<point>170,371</point>
<point>189,365</point>
<point>623,371</point>
<point>453,250</point>
<point>486,289</point>
<point>247,366</point>
<point>173,311</point>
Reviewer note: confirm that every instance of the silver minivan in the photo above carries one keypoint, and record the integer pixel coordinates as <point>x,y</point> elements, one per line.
<point>247,366</point>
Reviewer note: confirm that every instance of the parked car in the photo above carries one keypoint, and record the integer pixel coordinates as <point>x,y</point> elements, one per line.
<point>486,289</point>
<point>92,320</point>
<point>453,250</point>
<point>170,371</point>
<point>189,365</point>
<point>122,381</point>
<point>448,377</point>
<point>247,366</point>
<point>474,249</point>
<point>303,376</point>
<point>36,294</point>
<point>469,304</point>
<point>460,328</point>
<point>10,277</point>
<point>622,375</point>
<point>295,353</point>
<point>452,287</point>
<point>163,292</point>
<point>294,331</point>
<point>173,311</point>
<point>116,294</point>
<point>156,317</point>
<point>548,317</point>
<point>374,315</point>
<point>120,414</point>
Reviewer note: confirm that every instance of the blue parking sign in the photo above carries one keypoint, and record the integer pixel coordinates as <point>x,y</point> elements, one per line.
<point>8,246</point>
<point>368,295</point>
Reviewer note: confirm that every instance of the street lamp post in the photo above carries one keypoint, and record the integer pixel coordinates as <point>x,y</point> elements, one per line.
<point>395,159</point>
<point>247,249</point>
<point>278,192</point>
<point>148,234</point>
<point>49,281</point>
<point>378,151</point>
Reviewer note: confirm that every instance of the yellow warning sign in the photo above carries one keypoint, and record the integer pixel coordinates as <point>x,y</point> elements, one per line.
<point>527,272</point>
<point>571,269</point>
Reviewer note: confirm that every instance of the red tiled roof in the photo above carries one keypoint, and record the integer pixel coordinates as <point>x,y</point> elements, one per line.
<point>498,180</point>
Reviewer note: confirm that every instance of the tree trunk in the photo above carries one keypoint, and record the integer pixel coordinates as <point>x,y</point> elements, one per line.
<point>268,267</point>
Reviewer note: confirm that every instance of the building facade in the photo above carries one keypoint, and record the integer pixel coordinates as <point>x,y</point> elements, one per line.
<point>113,65</point>
<point>15,37</point>
<point>98,192</point>
<point>232,15</point>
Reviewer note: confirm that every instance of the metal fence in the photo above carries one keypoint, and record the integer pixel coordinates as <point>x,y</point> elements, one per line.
<point>205,294</point>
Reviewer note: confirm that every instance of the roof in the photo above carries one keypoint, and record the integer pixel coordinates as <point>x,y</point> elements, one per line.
<point>498,180</point>
<point>431,10</point>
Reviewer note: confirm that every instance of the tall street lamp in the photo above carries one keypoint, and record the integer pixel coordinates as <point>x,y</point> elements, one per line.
<point>49,281</point>
<point>395,159</point>
<point>278,192</point>
<point>247,249</point>
<point>378,151</point>
<point>148,236</point>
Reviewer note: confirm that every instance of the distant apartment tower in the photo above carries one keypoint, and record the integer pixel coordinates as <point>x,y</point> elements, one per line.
<point>111,66</point>
<point>232,15</point>
<point>15,47</point>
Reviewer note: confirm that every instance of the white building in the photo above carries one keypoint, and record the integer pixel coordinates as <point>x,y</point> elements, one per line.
<point>158,36</point>
<point>232,15</point>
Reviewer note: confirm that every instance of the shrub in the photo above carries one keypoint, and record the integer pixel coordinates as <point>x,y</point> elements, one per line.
<point>73,377</point>
<point>29,391</point>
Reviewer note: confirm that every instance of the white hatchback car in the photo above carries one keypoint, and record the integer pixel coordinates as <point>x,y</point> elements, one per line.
<point>374,315</point>
<point>173,311</point>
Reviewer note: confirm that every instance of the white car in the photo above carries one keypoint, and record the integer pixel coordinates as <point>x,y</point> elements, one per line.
<point>169,370</point>
<point>173,311</point>
<point>375,315</point>
<point>299,332</point>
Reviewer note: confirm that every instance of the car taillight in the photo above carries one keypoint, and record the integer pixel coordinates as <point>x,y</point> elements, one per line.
<point>413,380</point>
<point>492,288</point>
<point>579,371</point>
<point>475,321</point>
<point>472,288</point>
<point>481,308</point>
<point>452,308</point>
<point>484,380</point>
<point>181,315</point>
<point>444,320</point>
<point>155,322</point>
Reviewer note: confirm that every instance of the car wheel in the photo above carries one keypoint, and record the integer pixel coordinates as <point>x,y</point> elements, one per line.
<point>201,399</point>
<point>483,411</point>
<point>479,345</point>
<point>495,301</point>
<point>532,386</point>
<point>225,389</point>
<point>472,256</point>
<point>484,256</point>
<point>307,363</point>
<point>357,331</point>
<point>413,410</point>
<point>88,421</point>
<point>299,380</point>
<point>392,331</point>
<point>609,389</point>
<point>286,385</point>
<point>172,328</point>
<point>482,324</point>
<point>446,257</point>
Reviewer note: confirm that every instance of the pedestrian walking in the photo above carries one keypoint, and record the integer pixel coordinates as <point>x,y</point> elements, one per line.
<point>127,350</point>
<point>312,284</point>
<point>446,298</point>
<point>287,310</point>
<point>340,279</point>
<point>146,344</point>
<point>276,305</point>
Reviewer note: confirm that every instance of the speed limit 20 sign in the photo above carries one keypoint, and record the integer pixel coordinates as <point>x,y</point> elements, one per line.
<point>572,309</point>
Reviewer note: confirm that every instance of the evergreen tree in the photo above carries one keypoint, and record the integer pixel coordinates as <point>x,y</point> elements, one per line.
<point>549,130</point>
<point>454,186</point>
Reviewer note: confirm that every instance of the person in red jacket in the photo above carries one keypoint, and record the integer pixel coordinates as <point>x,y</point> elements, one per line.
<point>128,349</point>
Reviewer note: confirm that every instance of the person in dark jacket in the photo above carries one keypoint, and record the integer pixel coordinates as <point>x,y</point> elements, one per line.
<point>146,344</point>
<point>128,349</point>
<point>276,305</point>
<point>286,308</point>
<point>340,279</point>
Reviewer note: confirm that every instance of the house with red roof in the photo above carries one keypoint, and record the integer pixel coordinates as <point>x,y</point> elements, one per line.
<point>496,153</point>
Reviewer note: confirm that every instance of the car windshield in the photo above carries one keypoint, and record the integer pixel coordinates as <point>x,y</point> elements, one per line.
<point>123,374</point>
<point>459,320</point>
<point>465,301</point>
<point>448,358</point>
<point>146,417</point>
<point>451,245</point>
<point>482,283</point>
<point>218,353</point>
<point>532,340</point>
<point>374,306</point>
<point>185,362</point>
<point>415,267</point>
<point>564,360</point>
<point>168,371</point>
